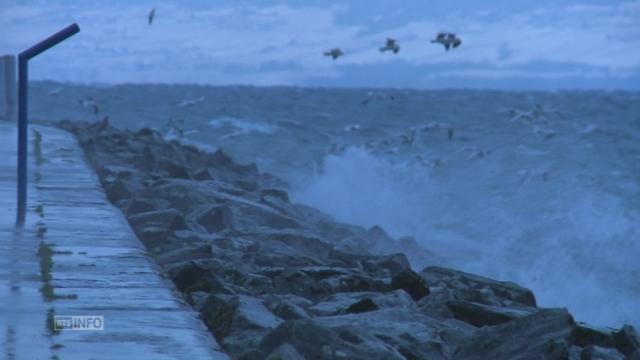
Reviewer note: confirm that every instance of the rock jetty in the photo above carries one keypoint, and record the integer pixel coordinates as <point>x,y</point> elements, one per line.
<point>277,280</point>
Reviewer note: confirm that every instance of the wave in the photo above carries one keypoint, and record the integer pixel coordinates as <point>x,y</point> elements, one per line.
<point>573,245</point>
<point>236,126</point>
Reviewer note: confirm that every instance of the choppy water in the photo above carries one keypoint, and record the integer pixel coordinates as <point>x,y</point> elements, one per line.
<point>539,188</point>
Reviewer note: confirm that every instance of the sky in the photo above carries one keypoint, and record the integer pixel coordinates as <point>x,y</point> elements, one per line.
<point>506,44</point>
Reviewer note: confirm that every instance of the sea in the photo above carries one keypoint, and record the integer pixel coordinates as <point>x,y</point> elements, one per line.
<point>538,188</point>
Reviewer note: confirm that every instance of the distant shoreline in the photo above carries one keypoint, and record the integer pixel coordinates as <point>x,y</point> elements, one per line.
<point>354,88</point>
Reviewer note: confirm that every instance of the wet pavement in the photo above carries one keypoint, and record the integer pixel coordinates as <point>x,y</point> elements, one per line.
<point>77,256</point>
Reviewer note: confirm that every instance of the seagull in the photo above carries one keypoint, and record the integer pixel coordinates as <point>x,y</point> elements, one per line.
<point>448,40</point>
<point>354,127</point>
<point>334,53</point>
<point>54,92</point>
<point>103,124</point>
<point>152,14</point>
<point>390,45</point>
<point>476,153</point>
<point>89,102</point>
<point>527,175</point>
<point>336,148</point>
<point>438,125</point>
<point>374,95</point>
<point>190,102</point>
<point>409,139</point>
<point>545,133</point>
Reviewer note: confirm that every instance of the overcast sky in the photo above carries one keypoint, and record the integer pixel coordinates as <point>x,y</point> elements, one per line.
<point>514,44</point>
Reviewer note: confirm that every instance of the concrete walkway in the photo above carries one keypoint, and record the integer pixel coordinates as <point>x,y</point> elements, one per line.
<point>76,255</point>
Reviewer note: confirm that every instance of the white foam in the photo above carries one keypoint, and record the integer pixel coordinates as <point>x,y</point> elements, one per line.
<point>242,126</point>
<point>573,245</point>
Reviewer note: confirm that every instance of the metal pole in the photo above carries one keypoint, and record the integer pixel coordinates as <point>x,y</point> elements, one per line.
<point>22,138</point>
<point>23,78</point>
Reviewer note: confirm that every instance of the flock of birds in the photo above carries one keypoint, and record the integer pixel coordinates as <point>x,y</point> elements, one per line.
<point>448,40</point>
<point>537,116</point>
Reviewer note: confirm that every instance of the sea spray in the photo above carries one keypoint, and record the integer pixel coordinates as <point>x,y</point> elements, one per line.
<point>572,245</point>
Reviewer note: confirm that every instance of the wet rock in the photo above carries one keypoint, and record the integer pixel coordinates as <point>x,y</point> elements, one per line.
<point>394,264</point>
<point>148,160</point>
<point>285,352</point>
<point>361,306</point>
<point>482,315</point>
<point>174,169</point>
<point>304,336</point>
<point>288,307</point>
<point>186,274</point>
<point>257,214</point>
<point>274,193</point>
<point>147,132</point>
<point>117,190</point>
<point>598,353</point>
<point>220,159</point>
<point>383,334</point>
<point>352,282</point>
<point>184,254</point>
<point>627,341</point>
<point>216,218</point>
<point>203,175</point>
<point>343,303</point>
<point>247,185</point>
<point>141,205</point>
<point>289,242</point>
<point>544,335</point>
<point>114,171</point>
<point>153,227</point>
<point>238,322</point>
<point>380,266</point>
<point>585,335</point>
<point>479,289</point>
<point>409,281</point>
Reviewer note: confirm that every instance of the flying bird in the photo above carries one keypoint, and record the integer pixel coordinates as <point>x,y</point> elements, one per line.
<point>391,45</point>
<point>54,92</point>
<point>437,126</point>
<point>89,103</point>
<point>190,102</point>
<point>334,53</point>
<point>377,96</point>
<point>152,14</point>
<point>448,40</point>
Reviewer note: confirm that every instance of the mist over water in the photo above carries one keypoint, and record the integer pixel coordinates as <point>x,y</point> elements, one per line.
<point>538,188</point>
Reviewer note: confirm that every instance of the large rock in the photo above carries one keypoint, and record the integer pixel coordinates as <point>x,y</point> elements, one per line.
<point>409,281</point>
<point>627,341</point>
<point>174,169</point>
<point>186,274</point>
<point>544,335</point>
<point>597,353</point>
<point>216,218</point>
<point>469,287</point>
<point>238,322</point>
<point>153,227</point>
<point>357,302</point>
<point>288,307</point>
<point>384,334</point>
<point>141,205</point>
<point>482,315</point>
<point>184,254</point>
<point>585,335</point>
<point>320,282</point>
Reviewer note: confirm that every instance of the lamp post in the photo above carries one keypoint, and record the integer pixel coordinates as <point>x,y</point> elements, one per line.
<point>23,79</point>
